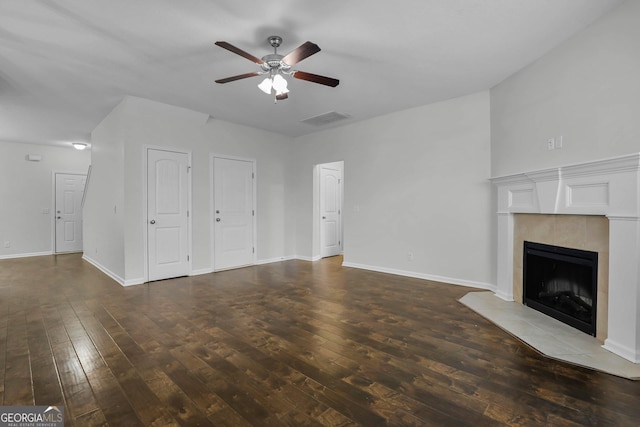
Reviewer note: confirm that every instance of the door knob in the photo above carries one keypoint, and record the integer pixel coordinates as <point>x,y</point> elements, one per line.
<point>59,217</point>
<point>153,221</point>
<point>217,219</point>
<point>324,217</point>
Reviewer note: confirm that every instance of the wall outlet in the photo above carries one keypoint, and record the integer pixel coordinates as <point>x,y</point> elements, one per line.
<point>7,244</point>
<point>410,256</point>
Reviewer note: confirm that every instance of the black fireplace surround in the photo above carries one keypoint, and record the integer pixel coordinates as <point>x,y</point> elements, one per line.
<point>562,283</point>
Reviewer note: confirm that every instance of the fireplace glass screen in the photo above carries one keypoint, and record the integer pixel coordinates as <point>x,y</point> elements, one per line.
<point>562,283</point>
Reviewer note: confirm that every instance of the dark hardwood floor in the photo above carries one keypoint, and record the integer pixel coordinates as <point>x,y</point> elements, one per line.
<point>292,343</point>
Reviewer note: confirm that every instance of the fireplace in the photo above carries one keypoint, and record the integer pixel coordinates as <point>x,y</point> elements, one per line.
<point>609,188</point>
<point>562,283</point>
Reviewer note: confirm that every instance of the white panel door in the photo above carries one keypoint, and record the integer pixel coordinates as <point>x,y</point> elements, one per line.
<point>167,214</point>
<point>330,211</point>
<point>68,229</point>
<point>233,213</point>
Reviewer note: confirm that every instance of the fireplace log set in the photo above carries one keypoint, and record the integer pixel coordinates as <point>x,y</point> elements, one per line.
<point>568,302</point>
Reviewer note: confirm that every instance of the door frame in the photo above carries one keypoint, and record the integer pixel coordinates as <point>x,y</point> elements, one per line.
<point>52,210</point>
<point>212,209</point>
<point>145,212</point>
<point>317,217</point>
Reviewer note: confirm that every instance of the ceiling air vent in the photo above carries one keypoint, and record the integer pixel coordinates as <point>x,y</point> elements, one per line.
<point>325,119</point>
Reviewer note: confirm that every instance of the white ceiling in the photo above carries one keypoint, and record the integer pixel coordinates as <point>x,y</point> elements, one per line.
<point>64,64</point>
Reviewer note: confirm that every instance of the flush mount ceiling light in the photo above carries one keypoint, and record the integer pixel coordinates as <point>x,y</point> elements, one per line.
<point>276,67</point>
<point>79,145</point>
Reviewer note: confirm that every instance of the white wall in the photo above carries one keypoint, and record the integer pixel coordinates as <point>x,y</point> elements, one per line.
<point>26,189</point>
<point>273,154</point>
<point>586,90</point>
<point>414,176</point>
<point>414,181</point>
<point>103,225</point>
<point>147,123</point>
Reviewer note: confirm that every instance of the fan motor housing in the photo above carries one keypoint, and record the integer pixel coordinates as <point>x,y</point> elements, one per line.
<point>274,60</point>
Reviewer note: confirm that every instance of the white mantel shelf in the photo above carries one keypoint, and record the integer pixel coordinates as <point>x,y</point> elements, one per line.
<point>609,187</point>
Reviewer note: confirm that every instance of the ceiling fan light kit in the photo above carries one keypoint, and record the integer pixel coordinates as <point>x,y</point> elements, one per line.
<point>276,67</point>
<point>277,84</point>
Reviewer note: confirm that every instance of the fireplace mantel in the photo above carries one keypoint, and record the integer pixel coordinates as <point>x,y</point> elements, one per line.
<point>609,187</point>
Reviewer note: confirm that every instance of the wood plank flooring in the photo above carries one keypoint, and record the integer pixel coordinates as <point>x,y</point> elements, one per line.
<point>286,344</point>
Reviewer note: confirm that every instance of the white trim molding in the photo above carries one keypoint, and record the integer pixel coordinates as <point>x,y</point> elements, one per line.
<point>201,271</point>
<point>308,258</point>
<point>416,275</point>
<point>272,260</point>
<point>25,255</point>
<point>609,187</point>
<point>104,269</point>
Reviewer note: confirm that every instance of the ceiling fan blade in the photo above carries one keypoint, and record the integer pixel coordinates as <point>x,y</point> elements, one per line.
<point>315,78</point>
<point>239,51</point>
<point>282,96</point>
<point>238,77</point>
<point>301,52</point>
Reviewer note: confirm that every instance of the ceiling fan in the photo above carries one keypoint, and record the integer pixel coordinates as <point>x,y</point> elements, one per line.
<point>276,66</point>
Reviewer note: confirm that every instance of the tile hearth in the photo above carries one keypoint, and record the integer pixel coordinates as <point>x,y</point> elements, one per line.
<point>549,336</point>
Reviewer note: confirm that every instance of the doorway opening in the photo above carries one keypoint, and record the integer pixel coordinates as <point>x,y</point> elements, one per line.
<point>168,201</point>
<point>233,203</point>
<point>329,190</point>
<point>69,192</point>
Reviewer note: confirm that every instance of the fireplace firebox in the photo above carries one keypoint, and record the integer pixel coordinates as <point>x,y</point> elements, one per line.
<point>562,283</point>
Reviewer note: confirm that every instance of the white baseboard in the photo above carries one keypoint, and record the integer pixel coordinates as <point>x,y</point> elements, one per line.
<point>306,258</point>
<point>413,274</point>
<point>502,295</point>
<point>201,271</point>
<point>131,282</point>
<point>260,262</point>
<point>272,260</point>
<point>416,275</point>
<point>10,256</point>
<point>622,350</point>
<point>137,281</point>
<point>105,270</point>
